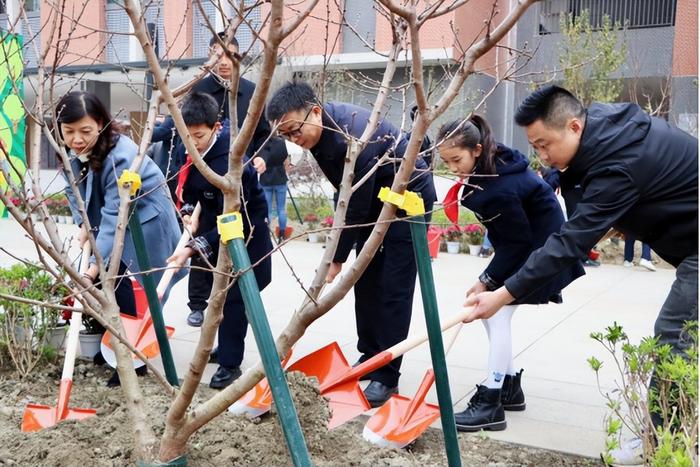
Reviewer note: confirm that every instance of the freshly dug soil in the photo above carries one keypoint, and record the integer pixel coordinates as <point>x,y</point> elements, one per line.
<point>106,440</point>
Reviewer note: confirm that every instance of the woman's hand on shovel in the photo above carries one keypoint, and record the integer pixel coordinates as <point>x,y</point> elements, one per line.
<point>179,258</point>
<point>487,304</point>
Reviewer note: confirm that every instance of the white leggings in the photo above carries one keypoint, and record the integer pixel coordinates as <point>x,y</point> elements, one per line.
<point>501,363</point>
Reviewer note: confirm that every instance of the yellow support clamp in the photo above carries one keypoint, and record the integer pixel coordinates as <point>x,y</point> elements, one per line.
<point>230,226</point>
<point>134,178</point>
<point>408,201</point>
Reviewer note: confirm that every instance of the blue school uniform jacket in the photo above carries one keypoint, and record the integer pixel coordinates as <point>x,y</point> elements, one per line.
<point>635,173</point>
<point>253,204</point>
<point>156,211</point>
<point>520,211</point>
<point>329,152</point>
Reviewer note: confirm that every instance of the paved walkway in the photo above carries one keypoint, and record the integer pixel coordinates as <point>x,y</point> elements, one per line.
<point>565,410</point>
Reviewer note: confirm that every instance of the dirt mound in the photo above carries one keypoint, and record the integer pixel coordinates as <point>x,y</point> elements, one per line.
<point>106,440</point>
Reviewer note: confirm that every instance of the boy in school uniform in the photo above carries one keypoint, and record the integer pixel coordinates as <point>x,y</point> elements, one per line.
<point>216,84</point>
<point>200,112</point>
<point>384,293</point>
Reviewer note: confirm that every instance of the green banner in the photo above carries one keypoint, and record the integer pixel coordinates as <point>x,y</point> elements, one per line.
<point>12,122</point>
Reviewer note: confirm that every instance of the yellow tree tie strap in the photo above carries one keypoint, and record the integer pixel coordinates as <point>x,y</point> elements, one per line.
<point>230,226</point>
<point>134,178</point>
<point>408,201</point>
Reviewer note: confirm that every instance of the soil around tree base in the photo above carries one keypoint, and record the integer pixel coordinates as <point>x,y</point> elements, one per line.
<point>107,439</point>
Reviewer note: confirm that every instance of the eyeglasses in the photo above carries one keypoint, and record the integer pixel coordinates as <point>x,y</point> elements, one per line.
<point>288,135</point>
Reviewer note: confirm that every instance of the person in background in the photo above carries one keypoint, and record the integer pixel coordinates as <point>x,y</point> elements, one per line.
<point>644,262</point>
<point>216,85</point>
<point>274,183</point>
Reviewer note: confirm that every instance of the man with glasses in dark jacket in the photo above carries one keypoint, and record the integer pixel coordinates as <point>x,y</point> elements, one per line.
<point>384,292</point>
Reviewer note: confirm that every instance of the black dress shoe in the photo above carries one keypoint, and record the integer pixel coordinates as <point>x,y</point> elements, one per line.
<point>214,355</point>
<point>224,376</point>
<point>377,393</point>
<point>196,318</point>
<point>484,412</point>
<point>114,381</point>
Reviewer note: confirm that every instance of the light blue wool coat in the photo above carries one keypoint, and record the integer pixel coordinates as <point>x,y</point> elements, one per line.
<point>156,211</point>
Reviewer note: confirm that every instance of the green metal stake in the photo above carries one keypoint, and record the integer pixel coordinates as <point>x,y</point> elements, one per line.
<point>153,301</point>
<point>231,230</point>
<point>437,350</point>
<point>296,209</point>
<point>413,205</point>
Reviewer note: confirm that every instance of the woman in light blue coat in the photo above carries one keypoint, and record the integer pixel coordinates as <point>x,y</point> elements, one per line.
<point>98,156</point>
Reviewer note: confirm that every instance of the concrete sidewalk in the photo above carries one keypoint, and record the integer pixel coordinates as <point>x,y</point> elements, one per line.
<point>565,410</point>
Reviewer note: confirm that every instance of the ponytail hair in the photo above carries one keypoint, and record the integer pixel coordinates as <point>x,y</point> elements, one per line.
<point>468,134</point>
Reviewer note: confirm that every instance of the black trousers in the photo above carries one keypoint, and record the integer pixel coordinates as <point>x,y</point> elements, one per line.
<point>124,293</point>
<point>199,285</point>
<point>384,298</point>
<point>234,326</point>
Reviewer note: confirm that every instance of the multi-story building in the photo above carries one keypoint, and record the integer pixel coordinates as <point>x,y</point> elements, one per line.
<point>350,48</point>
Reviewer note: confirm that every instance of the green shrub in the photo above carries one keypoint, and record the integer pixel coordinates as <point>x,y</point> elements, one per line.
<point>24,327</point>
<point>674,400</point>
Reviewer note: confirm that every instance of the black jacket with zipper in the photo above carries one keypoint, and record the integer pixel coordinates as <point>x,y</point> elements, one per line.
<point>639,175</point>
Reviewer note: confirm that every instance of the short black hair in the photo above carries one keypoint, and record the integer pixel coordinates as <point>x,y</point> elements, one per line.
<point>199,108</point>
<point>293,95</point>
<point>552,104</point>
<point>222,35</point>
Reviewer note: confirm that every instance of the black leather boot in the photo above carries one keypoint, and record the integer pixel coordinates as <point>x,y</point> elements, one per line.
<point>512,396</point>
<point>484,412</point>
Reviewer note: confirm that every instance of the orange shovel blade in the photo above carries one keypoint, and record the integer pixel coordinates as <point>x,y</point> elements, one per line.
<point>141,333</point>
<point>328,364</point>
<point>389,427</point>
<point>258,400</point>
<point>37,417</point>
<point>401,420</point>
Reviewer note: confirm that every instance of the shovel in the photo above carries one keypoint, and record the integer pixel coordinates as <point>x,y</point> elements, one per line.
<point>401,420</point>
<point>139,330</point>
<point>37,417</point>
<point>258,400</point>
<point>339,382</point>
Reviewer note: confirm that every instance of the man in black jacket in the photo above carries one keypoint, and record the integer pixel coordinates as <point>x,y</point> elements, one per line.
<point>384,292</point>
<point>638,174</point>
<point>216,84</point>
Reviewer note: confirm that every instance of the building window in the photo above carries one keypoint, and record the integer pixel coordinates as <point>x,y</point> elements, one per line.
<point>633,14</point>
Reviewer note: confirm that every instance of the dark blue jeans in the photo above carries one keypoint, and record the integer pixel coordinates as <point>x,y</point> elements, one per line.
<point>680,306</point>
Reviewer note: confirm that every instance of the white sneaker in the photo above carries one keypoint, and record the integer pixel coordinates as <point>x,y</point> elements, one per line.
<point>628,264</point>
<point>647,264</point>
<point>631,452</point>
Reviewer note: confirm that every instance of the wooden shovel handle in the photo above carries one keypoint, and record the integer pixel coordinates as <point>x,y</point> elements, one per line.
<point>184,238</point>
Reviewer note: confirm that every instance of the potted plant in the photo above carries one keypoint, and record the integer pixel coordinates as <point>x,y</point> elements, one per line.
<point>91,334</point>
<point>59,208</point>
<point>311,221</point>
<point>29,332</point>
<point>327,223</point>
<point>475,237</point>
<point>453,235</point>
